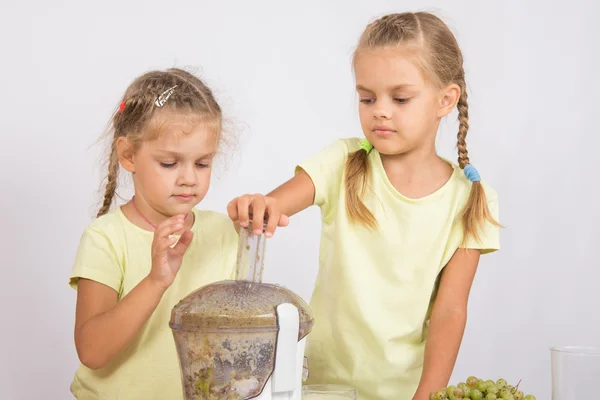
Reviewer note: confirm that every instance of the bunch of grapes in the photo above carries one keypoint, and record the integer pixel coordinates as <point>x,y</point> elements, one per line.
<point>478,389</point>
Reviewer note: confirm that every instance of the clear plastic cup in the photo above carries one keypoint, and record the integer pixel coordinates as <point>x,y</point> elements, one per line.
<point>328,392</point>
<point>575,372</point>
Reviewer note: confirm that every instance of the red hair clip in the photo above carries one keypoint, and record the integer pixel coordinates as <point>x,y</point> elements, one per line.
<point>122,106</point>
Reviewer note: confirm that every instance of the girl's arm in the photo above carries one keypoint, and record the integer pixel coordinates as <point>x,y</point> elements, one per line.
<point>447,322</point>
<point>294,195</point>
<point>105,326</point>
<point>288,199</point>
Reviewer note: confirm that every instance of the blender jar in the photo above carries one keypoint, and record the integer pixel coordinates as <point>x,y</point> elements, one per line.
<point>226,332</point>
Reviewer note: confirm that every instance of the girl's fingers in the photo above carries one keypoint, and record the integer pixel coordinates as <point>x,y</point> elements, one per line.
<point>232,209</point>
<point>243,210</point>
<point>273,220</point>
<point>162,244</point>
<point>169,227</point>
<point>162,234</point>
<point>256,207</point>
<point>184,242</point>
<point>284,220</point>
<point>258,214</point>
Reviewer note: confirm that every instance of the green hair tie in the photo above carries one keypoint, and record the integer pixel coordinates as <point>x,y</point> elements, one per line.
<point>366,145</point>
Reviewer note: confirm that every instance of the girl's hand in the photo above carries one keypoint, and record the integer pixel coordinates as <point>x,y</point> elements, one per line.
<point>260,209</point>
<point>166,261</point>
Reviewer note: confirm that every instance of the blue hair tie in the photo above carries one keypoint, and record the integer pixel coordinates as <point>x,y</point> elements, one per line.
<point>366,145</point>
<point>471,173</point>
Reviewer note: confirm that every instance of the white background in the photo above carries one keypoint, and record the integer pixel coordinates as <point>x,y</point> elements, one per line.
<point>282,72</point>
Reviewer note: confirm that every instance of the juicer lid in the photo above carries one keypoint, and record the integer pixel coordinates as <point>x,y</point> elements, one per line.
<point>237,306</point>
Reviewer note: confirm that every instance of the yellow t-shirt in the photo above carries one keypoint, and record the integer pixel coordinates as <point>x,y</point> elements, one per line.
<point>115,252</point>
<point>373,293</point>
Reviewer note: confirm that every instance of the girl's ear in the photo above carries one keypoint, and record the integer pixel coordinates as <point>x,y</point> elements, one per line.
<point>125,153</point>
<point>449,99</point>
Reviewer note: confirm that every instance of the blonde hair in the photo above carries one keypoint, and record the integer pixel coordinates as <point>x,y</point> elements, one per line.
<point>135,120</point>
<point>441,62</point>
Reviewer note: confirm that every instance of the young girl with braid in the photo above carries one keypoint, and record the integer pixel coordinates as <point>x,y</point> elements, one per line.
<point>402,228</point>
<point>136,261</point>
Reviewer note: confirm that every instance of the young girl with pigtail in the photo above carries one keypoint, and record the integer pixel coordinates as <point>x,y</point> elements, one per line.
<point>402,228</point>
<point>136,261</point>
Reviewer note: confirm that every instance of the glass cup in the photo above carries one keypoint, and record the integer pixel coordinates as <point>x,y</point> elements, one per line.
<point>575,372</point>
<point>328,392</point>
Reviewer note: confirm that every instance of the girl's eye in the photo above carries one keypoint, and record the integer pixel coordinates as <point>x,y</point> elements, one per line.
<point>367,101</point>
<point>401,101</point>
<point>202,165</point>
<point>167,165</point>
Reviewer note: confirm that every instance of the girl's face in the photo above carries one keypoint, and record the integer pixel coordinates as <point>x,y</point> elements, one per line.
<point>399,111</point>
<point>171,174</point>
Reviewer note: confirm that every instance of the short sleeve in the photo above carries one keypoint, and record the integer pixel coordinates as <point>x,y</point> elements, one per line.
<point>97,260</point>
<point>489,234</point>
<point>326,170</point>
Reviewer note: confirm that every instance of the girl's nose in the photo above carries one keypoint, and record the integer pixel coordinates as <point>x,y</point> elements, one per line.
<point>187,176</point>
<point>381,113</point>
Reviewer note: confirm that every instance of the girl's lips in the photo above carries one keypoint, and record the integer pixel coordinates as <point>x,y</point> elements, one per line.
<point>184,197</point>
<point>382,130</point>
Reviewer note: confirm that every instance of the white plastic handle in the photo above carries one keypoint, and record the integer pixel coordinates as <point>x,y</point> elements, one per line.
<point>284,376</point>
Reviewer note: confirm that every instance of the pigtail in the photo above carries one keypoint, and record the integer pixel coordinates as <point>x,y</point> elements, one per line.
<point>476,211</point>
<point>111,180</point>
<point>357,172</point>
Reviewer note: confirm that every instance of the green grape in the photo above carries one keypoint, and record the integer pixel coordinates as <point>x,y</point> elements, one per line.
<point>432,396</point>
<point>493,389</point>
<point>472,382</point>
<point>479,389</point>
<point>467,391</point>
<point>519,395</point>
<point>505,394</point>
<point>459,393</point>
<point>450,390</point>
<point>481,386</point>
